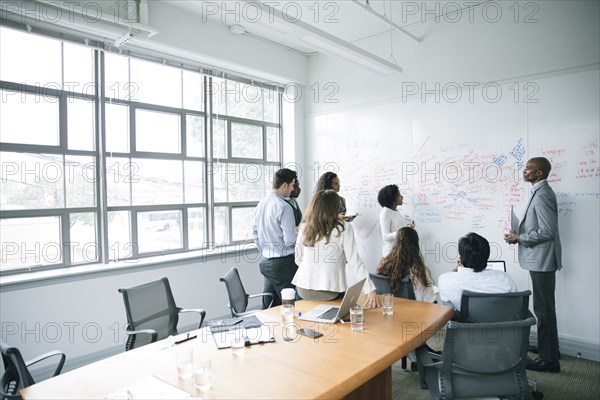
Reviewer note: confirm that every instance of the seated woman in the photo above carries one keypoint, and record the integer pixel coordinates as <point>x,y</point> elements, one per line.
<point>330,181</point>
<point>405,260</point>
<point>390,219</point>
<point>323,247</point>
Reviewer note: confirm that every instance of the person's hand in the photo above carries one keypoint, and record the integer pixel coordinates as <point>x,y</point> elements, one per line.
<point>458,264</point>
<point>511,238</point>
<point>411,224</point>
<point>372,300</point>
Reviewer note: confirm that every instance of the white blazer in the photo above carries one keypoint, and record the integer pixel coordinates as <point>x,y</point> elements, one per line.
<point>323,267</point>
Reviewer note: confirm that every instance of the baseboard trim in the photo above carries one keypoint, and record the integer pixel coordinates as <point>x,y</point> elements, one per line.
<point>574,347</point>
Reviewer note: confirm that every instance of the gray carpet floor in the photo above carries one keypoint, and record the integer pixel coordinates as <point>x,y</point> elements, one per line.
<point>579,379</point>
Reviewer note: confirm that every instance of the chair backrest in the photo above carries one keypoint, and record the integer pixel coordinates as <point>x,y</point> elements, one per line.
<point>382,285</point>
<point>150,306</point>
<point>485,359</point>
<point>238,298</point>
<point>16,375</point>
<point>494,307</point>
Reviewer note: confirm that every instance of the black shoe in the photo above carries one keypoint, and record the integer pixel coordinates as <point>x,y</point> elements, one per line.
<point>540,365</point>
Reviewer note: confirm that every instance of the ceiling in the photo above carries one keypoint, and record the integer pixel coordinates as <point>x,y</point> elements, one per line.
<point>357,30</point>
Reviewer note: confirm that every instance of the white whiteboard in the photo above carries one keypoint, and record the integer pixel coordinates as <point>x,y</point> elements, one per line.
<point>459,166</point>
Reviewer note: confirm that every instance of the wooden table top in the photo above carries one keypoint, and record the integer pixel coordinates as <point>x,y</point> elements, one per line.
<point>328,367</point>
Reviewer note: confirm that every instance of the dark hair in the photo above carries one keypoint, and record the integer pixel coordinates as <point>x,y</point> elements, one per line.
<point>387,195</point>
<point>282,176</point>
<point>405,259</point>
<point>320,218</point>
<point>324,182</point>
<point>543,165</point>
<point>474,251</point>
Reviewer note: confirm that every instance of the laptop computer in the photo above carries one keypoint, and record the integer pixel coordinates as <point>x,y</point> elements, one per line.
<point>498,265</point>
<point>329,314</point>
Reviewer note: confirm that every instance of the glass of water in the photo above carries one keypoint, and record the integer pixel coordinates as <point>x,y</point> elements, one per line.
<point>387,302</point>
<point>203,373</point>
<point>287,320</point>
<point>356,318</point>
<point>183,356</point>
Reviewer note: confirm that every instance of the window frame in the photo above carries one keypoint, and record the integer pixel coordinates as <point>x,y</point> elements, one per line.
<point>100,155</point>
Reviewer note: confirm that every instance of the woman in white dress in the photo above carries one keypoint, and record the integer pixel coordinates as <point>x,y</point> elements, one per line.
<point>324,245</point>
<point>390,218</point>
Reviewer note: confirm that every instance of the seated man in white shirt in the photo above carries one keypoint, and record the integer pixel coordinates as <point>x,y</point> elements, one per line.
<point>471,274</point>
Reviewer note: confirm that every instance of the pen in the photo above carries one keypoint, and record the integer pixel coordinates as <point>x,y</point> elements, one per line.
<point>188,337</point>
<point>236,322</point>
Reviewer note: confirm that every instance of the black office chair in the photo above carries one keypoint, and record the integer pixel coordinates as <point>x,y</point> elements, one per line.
<point>382,285</point>
<point>151,313</point>
<point>16,372</point>
<point>238,298</point>
<point>494,307</point>
<point>480,359</point>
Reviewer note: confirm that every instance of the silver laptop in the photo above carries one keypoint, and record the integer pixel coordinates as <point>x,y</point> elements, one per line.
<point>329,314</point>
<point>498,265</point>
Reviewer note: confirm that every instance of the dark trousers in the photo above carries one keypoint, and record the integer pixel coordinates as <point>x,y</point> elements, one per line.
<point>278,273</point>
<point>543,284</point>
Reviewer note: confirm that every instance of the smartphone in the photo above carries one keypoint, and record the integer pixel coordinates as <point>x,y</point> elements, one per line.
<point>310,333</point>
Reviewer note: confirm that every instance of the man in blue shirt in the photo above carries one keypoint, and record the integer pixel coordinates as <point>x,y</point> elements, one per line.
<point>274,233</point>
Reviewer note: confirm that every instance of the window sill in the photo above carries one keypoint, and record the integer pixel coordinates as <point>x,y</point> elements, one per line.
<point>36,278</point>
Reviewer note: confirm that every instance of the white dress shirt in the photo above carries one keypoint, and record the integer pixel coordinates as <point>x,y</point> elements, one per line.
<point>274,228</point>
<point>452,284</point>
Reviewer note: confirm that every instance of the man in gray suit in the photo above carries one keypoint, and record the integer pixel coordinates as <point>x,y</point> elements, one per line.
<point>540,252</point>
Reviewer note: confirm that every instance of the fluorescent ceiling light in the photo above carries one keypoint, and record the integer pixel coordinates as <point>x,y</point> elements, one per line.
<point>328,43</point>
<point>356,55</point>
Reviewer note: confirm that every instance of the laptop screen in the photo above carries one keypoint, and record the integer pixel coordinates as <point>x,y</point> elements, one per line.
<point>498,265</point>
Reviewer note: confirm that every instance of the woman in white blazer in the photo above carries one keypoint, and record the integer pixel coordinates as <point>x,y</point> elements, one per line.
<point>325,244</point>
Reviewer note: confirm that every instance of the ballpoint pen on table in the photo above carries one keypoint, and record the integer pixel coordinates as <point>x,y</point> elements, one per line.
<point>188,337</point>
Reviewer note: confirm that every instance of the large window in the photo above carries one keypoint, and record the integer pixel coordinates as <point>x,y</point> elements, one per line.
<point>110,157</point>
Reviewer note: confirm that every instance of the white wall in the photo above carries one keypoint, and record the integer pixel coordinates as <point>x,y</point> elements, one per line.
<point>378,123</point>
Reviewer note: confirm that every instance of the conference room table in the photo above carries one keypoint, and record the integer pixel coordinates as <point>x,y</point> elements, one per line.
<point>340,364</point>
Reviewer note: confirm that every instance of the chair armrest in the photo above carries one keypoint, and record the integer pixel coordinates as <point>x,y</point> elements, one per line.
<point>150,332</point>
<point>61,362</point>
<point>425,359</point>
<point>263,295</point>
<point>196,310</point>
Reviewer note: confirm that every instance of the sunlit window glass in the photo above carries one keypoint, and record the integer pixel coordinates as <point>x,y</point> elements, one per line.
<point>32,241</point>
<point>17,124</point>
<point>120,245</point>
<point>32,181</point>
<point>159,231</point>
<point>117,128</point>
<point>17,65</point>
<point>116,82</point>
<point>157,181</point>
<point>241,221</point>
<point>246,141</point>
<point>157,131</point>
<point>155,83</point>
<point>81,124</point>
<point>79,69</point>
<point>83,245</point>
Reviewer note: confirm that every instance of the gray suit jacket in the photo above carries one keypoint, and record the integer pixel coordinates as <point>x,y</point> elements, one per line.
<point>539,241</point>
